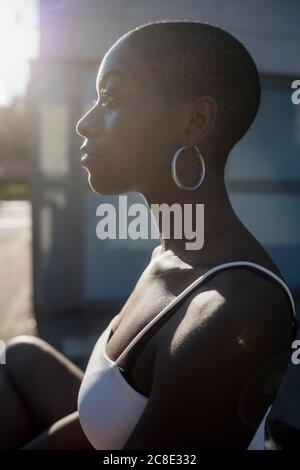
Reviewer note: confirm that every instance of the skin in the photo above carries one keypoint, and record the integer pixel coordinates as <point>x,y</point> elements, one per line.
<point>130,137</point>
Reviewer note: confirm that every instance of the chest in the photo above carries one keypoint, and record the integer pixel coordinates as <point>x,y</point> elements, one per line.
<point>154,291</point>
<point>150,296</point>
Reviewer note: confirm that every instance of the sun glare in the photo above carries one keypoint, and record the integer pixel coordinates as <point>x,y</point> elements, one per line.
<point>18,44</point>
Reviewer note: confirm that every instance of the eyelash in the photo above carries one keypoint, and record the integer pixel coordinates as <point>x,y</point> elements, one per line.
<point>104,92</point>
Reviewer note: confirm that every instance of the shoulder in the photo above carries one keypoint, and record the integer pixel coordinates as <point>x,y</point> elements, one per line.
<point>233,339</point>
<point>237,301</point>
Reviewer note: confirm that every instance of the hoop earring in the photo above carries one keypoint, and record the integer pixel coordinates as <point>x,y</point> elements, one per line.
<point>174,174</point>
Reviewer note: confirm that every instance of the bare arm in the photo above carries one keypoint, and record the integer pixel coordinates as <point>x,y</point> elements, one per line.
<point>65,434</point>
<point>209,381</point>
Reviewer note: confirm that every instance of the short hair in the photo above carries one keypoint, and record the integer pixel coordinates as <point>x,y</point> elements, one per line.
<point>190,59</point>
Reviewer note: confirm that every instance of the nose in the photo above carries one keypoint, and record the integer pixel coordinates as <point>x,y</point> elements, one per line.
<point>85,127</point>
<point>81,127</point>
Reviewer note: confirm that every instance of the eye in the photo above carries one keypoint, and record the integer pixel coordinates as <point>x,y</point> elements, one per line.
<point>106,98</point>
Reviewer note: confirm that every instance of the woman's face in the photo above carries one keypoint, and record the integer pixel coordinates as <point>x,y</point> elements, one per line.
<point>130,132</point>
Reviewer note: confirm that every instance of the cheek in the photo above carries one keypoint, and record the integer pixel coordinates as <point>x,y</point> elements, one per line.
<point>136,145</point>
<point>140,137</point>
<point>127,141</point>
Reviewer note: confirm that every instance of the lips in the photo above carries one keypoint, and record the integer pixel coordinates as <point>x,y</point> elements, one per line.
<point>88,154</point>
<point>87,150</point>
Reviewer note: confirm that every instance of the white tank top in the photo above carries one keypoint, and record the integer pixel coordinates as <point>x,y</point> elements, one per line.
<point>109,408</point>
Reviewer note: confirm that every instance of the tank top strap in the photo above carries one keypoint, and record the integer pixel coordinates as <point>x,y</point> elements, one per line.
<point>143,336</point>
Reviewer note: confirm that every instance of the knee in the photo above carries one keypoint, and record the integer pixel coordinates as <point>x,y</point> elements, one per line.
<point>25,344</point>
<point>23,352</point>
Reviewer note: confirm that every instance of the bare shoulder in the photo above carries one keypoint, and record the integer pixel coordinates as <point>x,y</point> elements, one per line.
<point>239,303</point>
<point>213,376</point>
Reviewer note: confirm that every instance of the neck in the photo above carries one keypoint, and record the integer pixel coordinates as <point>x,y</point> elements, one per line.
<point>204,223</point>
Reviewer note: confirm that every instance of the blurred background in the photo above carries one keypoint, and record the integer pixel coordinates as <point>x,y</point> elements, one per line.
<point>58,280</point>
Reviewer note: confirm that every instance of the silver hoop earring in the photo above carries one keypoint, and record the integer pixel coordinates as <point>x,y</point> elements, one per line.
<point>174,174</point>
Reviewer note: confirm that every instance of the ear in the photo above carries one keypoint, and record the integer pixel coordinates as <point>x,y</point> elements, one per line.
<point>203,114</point>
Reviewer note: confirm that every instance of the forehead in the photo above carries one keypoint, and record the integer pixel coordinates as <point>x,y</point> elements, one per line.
<point>122,64</point>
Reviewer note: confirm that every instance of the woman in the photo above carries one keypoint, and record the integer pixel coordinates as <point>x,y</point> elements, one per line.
<point>209,330</point>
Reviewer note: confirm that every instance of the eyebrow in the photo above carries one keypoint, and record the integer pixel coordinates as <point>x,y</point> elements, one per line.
<point>104,77</point>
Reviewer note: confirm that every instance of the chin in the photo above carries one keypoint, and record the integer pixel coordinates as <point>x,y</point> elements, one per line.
<point>105,187</point>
